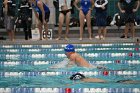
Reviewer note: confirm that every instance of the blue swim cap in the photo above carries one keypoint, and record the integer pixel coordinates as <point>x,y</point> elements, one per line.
<point>69,48</point>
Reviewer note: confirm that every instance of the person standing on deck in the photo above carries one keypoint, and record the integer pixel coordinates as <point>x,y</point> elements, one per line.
<point>42,13</point>
<point>25,18</point>
<point>9,17</point>
<point>65,12</point>
<point>101,16</point>
<point>85,9</point>
<point>128,8</point>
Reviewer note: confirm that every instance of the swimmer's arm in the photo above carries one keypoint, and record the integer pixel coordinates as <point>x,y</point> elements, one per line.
<point>129,81</point>
<point>88,80</point>
<point>70,64</point>
<point>94,80</point>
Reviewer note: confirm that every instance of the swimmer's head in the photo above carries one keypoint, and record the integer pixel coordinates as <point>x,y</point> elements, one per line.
<point>77,76</point>
<point>69,48</point>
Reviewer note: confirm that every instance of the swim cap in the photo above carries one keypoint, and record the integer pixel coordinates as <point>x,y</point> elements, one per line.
<point>77,76</point>
<point>69,48</point>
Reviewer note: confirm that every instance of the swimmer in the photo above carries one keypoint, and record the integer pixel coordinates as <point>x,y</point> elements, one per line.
<point>76,59</point>
<point>81,77</point>
<point>84,79</point>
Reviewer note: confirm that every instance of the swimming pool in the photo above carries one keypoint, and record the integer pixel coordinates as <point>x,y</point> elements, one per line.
<point>26,68</point>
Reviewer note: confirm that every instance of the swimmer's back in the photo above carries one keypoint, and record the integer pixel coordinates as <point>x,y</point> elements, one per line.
<point>79,60</point>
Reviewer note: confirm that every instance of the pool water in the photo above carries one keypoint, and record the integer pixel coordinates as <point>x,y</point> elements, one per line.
<point>26,68</point>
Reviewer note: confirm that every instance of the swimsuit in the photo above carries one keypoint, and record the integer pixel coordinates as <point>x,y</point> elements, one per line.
<point>46,9</point>
<point>62,3</point>
<point>65,12</point>
<point>85,4</point>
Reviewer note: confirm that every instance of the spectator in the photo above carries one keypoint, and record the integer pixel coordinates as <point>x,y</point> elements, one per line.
<point>101,16</point>
<point>9,17</point>
<point>65,12</point>
<point>42,13</point>
<point>25,18</point>
<point>85,9</point>
<point>128,11</point>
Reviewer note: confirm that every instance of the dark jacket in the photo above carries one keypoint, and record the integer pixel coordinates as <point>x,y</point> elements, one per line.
<point>11,8</point>
<point>24,10</point>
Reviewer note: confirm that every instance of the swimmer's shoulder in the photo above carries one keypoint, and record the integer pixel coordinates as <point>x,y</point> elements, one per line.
<point>73,55</point>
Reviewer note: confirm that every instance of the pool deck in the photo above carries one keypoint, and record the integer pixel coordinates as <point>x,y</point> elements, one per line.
<point>71,41</point>
<point>113,36</point>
